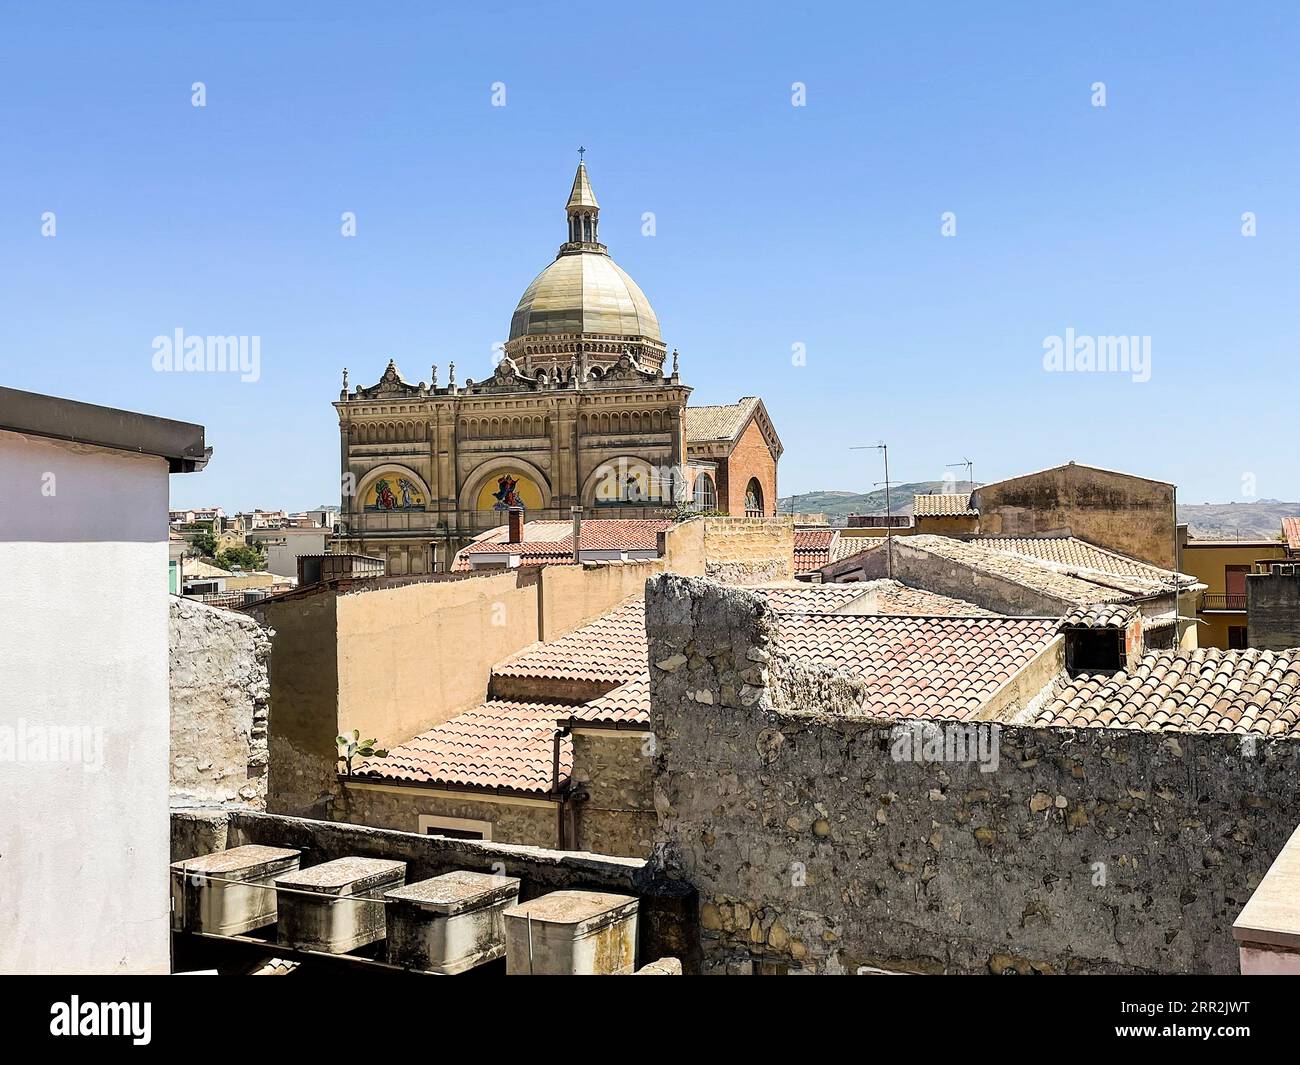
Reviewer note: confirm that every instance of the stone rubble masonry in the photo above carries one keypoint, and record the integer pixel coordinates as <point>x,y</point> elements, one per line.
<point>741,550</point>
<point>613,774</point>
<point>220,696</point>
<point>812,849</point>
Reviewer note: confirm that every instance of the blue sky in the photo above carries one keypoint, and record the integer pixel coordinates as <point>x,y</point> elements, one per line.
<point>775,225</point>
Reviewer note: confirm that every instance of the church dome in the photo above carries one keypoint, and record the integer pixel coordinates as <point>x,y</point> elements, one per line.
<point>584,301</point>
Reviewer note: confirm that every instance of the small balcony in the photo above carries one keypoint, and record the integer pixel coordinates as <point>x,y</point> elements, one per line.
<point>1223,601</point>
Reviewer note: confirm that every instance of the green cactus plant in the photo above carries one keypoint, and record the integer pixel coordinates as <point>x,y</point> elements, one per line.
<point>353,745</point>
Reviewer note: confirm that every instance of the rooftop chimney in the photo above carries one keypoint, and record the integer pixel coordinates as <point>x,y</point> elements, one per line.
<point>577,533</point>
<point>516,526</point>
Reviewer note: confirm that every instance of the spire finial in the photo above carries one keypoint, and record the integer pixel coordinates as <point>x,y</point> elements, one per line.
<point>581,152</point>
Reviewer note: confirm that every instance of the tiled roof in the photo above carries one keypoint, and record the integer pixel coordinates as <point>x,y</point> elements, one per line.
<point>944,505</point>
<point>893,597</point>
<point>800,598</point>
<point>628,704</point>
<point>1048,578</point>
<point>1074,553</point>
<point>612,648</point>
<point>1291,530</point>
<point>722,422</point>
<point>1100,616</point>
<point>1206,690</point>
<point>552,541</point>
<point>944,667</point>
<point>847,546</point>
<point>812,548</point>
<point>501,744</point>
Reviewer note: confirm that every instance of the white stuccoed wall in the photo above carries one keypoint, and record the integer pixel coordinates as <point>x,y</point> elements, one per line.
<point>83,643</point>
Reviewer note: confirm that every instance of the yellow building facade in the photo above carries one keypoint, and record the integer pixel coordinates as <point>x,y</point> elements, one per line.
<point>1222,565</point>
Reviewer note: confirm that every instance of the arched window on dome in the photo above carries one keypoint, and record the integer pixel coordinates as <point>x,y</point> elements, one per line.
<point>754,499</point>
<point>705,496</point>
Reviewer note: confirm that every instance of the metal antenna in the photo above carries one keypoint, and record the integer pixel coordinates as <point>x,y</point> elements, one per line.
<point>970,471</point>
<point>883,448</point>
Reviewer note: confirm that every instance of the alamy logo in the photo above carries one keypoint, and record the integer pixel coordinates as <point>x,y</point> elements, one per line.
<point>179,353</point>
<point>931,741</point>
<point>28,741</point>
<point>1076,353</point>
<point>75,1017</point>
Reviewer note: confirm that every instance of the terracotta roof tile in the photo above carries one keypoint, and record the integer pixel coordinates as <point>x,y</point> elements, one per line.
<point>812,548</point>
<point>943,505</point>
<point>721,422</point>
<point>946,667</point>
<point>1071,552</point>
<point>893,597</point>
<point>800,598</point>
<point>552,541</point>
<point>1291,530</point>
<point>612,648</point>
<point>848,546</point>
<point>1205,690</point>
<point>1070,584</point>
<point>1100,616</point>
<point>501,744</point>
<point>628,704</point>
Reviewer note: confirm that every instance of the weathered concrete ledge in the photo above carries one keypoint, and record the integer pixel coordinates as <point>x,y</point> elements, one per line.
<point>669,918</point>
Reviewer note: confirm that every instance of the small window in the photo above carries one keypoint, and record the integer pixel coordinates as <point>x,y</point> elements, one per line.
<point>1236,637</point>
<point>1094,650</point>
<point>706,493</point>
<point>454,827</point>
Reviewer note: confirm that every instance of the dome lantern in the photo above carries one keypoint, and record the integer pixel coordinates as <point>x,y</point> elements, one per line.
<point>583,301</point>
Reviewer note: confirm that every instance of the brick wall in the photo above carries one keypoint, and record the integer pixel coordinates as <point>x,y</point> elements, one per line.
<point>751,457</point>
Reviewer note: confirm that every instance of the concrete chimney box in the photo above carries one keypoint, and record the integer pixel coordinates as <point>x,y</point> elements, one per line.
<point>450,923</point>
<point>336,906</point>
<point>572,933</point>
<point>230,892</point>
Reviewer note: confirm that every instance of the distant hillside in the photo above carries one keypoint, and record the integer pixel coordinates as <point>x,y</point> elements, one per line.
<point>837,506</point>
<point>1260,520</point>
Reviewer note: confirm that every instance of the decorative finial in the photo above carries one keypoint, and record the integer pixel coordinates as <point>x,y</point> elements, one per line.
<point>451,375</point>
<point>433,376</point>
<point>581,152</point>
<point>345,378</point>
<point>674,362</point>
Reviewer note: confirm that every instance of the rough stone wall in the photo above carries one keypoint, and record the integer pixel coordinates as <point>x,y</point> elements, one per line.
<point>533,825</point>
<point>304,702</point>
<point>615,770</point>
<point>749,550</point>
<point>220,696</point>
<point>824,842</point>
<point>1272,611</point>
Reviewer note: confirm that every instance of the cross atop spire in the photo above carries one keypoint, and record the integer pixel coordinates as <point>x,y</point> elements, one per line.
<point>581,152</point>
